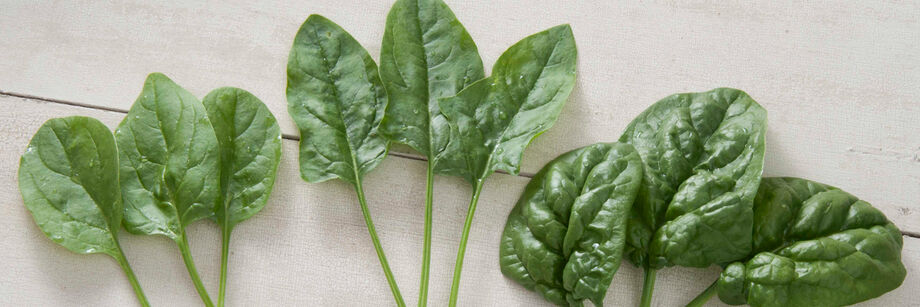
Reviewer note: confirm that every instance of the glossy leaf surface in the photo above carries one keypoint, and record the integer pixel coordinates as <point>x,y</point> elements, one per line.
<point>814,245</point>
<point>426,55</point>
<point>565,236</point>
<point>250,150</point>
<point>169,160</point>
<point>337,101</point>
<point>68,178</point>
<point>497,117</point>
<point>703,155</point>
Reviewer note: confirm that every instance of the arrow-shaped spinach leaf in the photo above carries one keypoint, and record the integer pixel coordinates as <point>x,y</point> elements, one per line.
<point>250,149</point>
<point>337,100</point>
<point>169,161</point>
<point>68,178</point>
<point>426,55</point>
<point>814,245</point>
<point>703,156</point>
<point>495,118</point>
<point>565,236</point>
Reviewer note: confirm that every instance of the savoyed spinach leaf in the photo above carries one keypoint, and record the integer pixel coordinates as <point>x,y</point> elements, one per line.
<point>565,236</point>
<point>495,118</point>
<point>68,178</point>
<point>814,245</point>
<point>426,55</point>
<point>250,149</point>
<point>703,156</point>
<point>169,157</point>
<point>337,101</point>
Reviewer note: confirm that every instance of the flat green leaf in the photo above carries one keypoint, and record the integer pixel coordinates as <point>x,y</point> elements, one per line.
<point>814,245</point>
<point>426,55</point>
<point>337,100</point>
<point>250,151</point>
<point>68,178</point>
<point>497,117</point>
<point>169,160</point>
<point>565,236</point>
<point>703,156</point>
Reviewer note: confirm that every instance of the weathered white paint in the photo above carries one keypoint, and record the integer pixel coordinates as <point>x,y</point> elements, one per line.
<point>839,81</point>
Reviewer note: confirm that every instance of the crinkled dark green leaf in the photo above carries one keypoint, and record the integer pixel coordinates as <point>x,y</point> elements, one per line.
<point>703,156</point>
<point>337,100</point>
<point>497,117</point>
<point>68,178</point>
<point>426,55</point>
<point>814,245</point>
<point>169,160</point>
<point>250,150</point>
<point>565,236</point>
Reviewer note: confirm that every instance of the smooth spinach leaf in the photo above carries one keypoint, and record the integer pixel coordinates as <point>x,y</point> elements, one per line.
<point>814,245</point>
<point>169,160</point>
<point>703,156</point>
<point>497,117</point>
<point>68,178</point>
<point>337,100</point>
<point>250,150</point>
<point>565,236</point>
<point>426,55</point>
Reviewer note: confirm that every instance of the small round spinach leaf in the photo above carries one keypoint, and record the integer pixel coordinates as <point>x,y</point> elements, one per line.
<point>169,160</point>
<point>703,155</point>
<point>814,245</point>
<point>337,100</point>
<point>68,178</point>
<point>565,236</point>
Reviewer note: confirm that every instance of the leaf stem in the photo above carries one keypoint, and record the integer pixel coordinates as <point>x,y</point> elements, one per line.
<point>455,286</point>
<point>192,271</point>
<point>426,251</point>
<point>648,287</point>
<point>125,266</point>
<point>224,258</point>
<point>705,296</point>
<point>359,189</point>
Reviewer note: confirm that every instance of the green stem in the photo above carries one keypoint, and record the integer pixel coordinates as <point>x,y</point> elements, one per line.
<point>192,271</point>
<point>704,297</point>
<point>125,266</point>
<point>648,287</point>
<point>426,251</point>
<point>455,286</point>
<point>224,258</point>
<point>359,188</point>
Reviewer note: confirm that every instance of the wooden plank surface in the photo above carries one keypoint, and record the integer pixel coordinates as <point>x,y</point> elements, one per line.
<point>839,81</point>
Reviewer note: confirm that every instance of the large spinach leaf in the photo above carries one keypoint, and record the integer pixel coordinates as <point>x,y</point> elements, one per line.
<point>426,55</point>
<point>68,178</point>
<point>814,245</point>
<point>337,100</point>
<point>703,156</point>
<point>169,157</point>
<point>250,149</point>
<point>495,118</point>
<point>565,236</point>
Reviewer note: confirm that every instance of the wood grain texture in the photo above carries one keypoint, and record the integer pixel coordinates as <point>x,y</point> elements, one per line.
<point>839,81</point>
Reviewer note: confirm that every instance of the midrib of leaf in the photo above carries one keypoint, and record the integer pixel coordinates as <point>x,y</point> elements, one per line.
<point>72,218</point>
<point>488,166</point>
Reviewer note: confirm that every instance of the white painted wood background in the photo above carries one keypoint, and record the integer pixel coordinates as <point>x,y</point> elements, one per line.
<point>840,80</point>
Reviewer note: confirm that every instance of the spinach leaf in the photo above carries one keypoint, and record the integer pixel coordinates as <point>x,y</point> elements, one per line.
<point>169,157</point>
<point>68,178</point>
<point>565,236</point>
<point>814,245</point>
<point>337,100</point>
<point>250,149</point>
<point>426,55</point>
<point>703,156</point>
<point>495,118</point>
